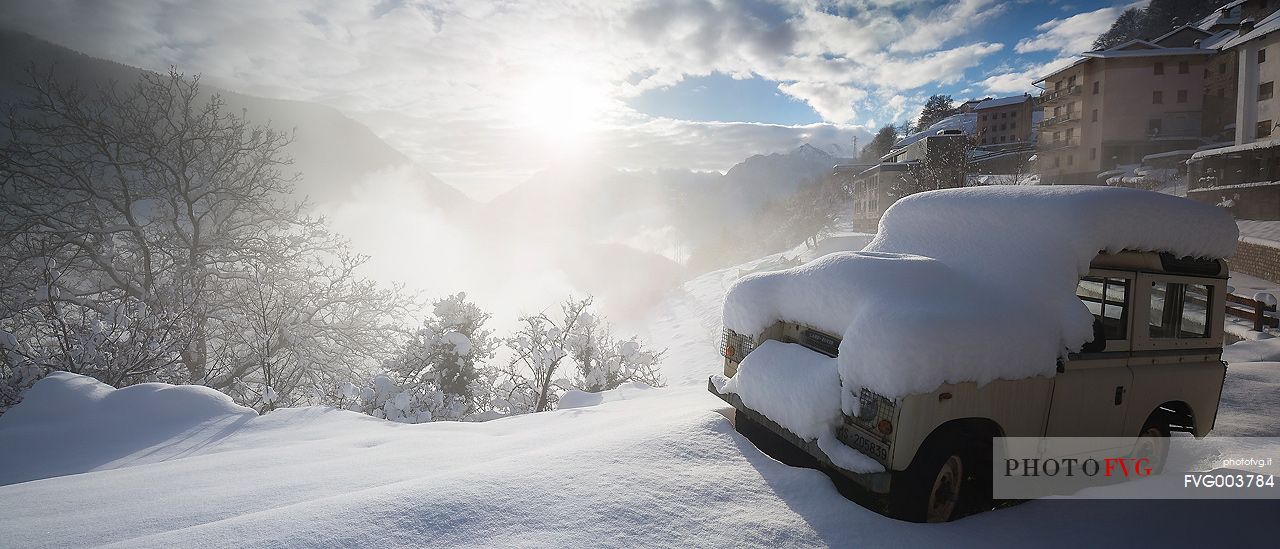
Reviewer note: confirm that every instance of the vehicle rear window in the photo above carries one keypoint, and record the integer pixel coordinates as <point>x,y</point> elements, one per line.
<point>1107,299</point>
<point>1180,311</point>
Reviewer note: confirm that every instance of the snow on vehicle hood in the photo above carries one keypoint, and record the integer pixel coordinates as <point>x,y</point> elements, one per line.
<point>972,284</point>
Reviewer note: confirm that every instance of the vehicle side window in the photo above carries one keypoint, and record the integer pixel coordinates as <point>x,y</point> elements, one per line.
<point>1180,311</point>
<point>1107,299</point>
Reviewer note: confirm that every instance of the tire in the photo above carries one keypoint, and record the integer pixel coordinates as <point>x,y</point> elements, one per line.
<point>933,487</point>
<point>1153,444</point>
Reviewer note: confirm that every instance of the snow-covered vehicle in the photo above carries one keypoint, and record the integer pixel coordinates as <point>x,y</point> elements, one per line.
<point>980,313</point>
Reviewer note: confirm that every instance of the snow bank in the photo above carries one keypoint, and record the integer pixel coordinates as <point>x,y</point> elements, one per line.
<point>795,387</point>
<point>972,284</point>
<point>574,398</point>
<point>664,469</point>
<point>64,413</point>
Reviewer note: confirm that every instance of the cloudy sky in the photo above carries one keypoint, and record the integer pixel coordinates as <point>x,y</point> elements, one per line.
<point>485,93</point>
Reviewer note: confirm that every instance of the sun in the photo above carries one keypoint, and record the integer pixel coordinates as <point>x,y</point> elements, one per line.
<point>561,107</point>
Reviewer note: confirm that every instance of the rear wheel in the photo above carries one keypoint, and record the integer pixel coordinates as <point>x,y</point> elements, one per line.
<point>1153,445</point>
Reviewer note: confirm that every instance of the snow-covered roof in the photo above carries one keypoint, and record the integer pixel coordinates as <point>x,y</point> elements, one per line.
<point>1237,186</point>
<point>1177,30</point>
<point>989,272</point>
<point>1217,18</point>
<point>1144,52</point>
<point>1267,25</point>
<point>1256,145</point>
<point>1170,154</point>
<point>966,122</point>
<point>1001,102</point>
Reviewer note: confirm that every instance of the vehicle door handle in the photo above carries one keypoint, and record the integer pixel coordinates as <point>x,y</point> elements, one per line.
<point>1119,394</point>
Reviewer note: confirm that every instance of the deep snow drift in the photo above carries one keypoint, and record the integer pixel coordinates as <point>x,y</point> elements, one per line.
<point>662,468</point>
<point>988,273</point>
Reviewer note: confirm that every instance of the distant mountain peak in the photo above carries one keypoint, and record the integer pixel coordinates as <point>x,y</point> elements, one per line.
<point>808,149</point>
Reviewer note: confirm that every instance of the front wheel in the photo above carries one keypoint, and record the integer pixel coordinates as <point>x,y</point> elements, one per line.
<point>932,487</point>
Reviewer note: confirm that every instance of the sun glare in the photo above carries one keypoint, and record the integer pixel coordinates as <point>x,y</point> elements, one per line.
<point>561,108</point>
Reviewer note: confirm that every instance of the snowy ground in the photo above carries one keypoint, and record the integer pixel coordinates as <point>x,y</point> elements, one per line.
<point>86,465</point>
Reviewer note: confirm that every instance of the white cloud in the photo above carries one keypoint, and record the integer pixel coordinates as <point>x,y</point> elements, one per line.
<point>467,87</point>
<point>1021,81</point>
<point>834,102</point>
<point>1070,35</point>
<point>946,67</point>
<point>949,21</point>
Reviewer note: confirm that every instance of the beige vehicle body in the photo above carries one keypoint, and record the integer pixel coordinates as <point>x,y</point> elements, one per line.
<point>1163,327</point>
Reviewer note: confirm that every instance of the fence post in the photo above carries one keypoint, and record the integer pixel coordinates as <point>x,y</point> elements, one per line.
<point>1259,315</point>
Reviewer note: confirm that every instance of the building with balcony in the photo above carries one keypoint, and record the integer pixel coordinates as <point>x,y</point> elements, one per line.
<point>1246,175</point>
<point>1115,106</point>
<point>1005,120</point>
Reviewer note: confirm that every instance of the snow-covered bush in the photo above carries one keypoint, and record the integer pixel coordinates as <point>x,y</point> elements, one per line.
<point>539,373</point>
<point>446,359</point>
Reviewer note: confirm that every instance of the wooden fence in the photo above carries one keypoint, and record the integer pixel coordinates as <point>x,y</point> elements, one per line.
<point>1252,309</point>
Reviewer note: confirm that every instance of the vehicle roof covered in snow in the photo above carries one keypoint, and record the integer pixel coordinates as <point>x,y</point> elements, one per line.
<point>985,276</point>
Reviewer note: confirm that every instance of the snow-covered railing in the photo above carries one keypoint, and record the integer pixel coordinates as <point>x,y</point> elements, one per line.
<point>1254,310</point>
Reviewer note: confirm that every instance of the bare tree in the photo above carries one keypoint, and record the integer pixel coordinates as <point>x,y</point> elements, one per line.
<point>945,165</point>
<point>149,236</point>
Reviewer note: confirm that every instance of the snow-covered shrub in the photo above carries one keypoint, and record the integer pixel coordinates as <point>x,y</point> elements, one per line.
<point>446,359</point>
<point>539,373</point>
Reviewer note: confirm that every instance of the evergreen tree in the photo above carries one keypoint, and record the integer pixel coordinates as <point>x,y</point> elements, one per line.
<point>936,108</point>
<point>1159,17</point>
<point>880,145</point>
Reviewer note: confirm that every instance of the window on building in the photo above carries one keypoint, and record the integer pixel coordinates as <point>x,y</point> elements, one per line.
<point>1013,125</point>
<point>1265,90</point>
<point>1013,114</point>
<point>1057,161</point>
<point>1093,153</point>
<point>1004,127</point>
<point>1071,133</point>
<point>1004,115</point>
<point>1095,88</point>
<point>1057,137</point>
<point>984,118</point>
<point>1159,67</point>
<point>1069,159</point>
<point>1071,81</point>
<point>1263,129</point>
<point>1180,311</point>
<point>1157,97</point>
<point>1003,138</point>
<point>1184,67</point>
<point>1262,55</point>
<point>1095,115</point>
<point>1154,126</point>
<point>1182,96</point>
